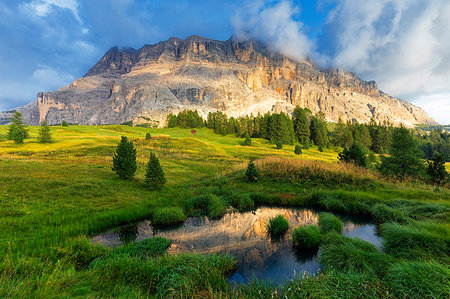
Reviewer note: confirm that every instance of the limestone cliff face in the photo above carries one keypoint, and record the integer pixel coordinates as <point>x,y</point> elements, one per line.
<point>235,77</point>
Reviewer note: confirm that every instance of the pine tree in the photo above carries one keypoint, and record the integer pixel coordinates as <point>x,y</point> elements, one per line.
<point>64,124</point>
<point>279,145</point>
<point>124,159</point>
<point>252,173</point>
<point>298,149</point>
<point>17,131</point>
<point>247,140</point>
<point>405,155</point>
<point>44,133</point>
<point>154,175</point>
<point>436,170</point>
<point>148,136</point>
<point>355,154</point>
<point>301,125</point>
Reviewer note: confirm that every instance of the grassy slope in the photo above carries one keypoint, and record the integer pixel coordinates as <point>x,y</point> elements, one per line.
<point>51,194</point>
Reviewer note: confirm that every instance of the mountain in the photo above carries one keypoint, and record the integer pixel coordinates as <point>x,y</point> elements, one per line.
<point>236,77</point>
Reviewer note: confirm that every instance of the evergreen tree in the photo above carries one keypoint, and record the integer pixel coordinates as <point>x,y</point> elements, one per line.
<point>64,124</point>
<point>405,155</point>
<point>301,125</point>
<point>17,131</point>
<point>318,132</point>
<point>252,173</point>
<point>281,129</point>
<point>320,148</point>
<point>436,170</point>
<point>148,136</point>
<point>247,140</point>
<point>355,154</point>
<point>154,175</point>
<point>44,133</point>
<point>298,149</point>
<point>279,145</point>
<point>342,135</point>
<point>124,159</point>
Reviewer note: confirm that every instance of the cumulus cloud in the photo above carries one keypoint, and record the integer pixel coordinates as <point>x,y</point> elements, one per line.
<point>275,25</point>
<point>44,7</point>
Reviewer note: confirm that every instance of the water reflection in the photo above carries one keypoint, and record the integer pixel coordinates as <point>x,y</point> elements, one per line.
<point>244,236</point>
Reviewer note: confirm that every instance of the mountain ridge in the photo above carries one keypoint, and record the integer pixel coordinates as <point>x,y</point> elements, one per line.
<point>236,77</point>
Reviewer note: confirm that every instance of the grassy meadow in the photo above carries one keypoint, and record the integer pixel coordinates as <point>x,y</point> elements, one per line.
<point>53,197</point>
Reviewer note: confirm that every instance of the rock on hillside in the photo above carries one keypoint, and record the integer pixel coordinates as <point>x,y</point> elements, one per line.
<point>235,77</point>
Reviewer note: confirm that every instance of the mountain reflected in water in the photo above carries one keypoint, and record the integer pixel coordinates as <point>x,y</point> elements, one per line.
<point>244,236</point>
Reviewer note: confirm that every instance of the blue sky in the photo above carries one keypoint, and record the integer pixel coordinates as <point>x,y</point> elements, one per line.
<point>403,45</point>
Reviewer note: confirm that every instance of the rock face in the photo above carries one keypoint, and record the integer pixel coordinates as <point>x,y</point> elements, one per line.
<point>235,77</point>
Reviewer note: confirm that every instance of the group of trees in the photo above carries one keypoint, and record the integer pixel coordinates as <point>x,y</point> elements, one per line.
<point>125,166</point>
<point>18,131</point>
<point>185,119</point>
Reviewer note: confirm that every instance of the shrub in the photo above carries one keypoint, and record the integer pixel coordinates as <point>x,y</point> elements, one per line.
<point>216,208</point>
<point>247,140</point>
<point>354,255</point>
<point>436,170</point>
<point>277,226</point>
<point>207,204</point>
<point>328,223</point>
<point>168,216</point>
<point>252,173</point>
<point>44,133</point>
<point>242,202</point>
<point>64,124</point>
<point>320,148</point>
<point>355,154</point>
<point>148,136</point>
<point>154,175</point>
<point>306,236</point>
<point>124,159</point>
<point>298,149</point>
<point>419,280</point>
<point>279,145</point>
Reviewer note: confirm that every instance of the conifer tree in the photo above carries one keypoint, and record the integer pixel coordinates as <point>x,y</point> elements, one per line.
<point>436,170</point>
<point>247,140</point>
<point>355,154</point>
<point>301,125</point>
<point>64,124</point>
<point>17,131</point>
<point>252,173</point>
<point>148,136</point>
<point>154,175</point>
<point>124,159</point>
<point>44,133</point>
<point>298,149</point>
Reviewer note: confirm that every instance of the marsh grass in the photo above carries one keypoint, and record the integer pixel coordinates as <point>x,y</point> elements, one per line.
<point>168,216</point>
<point>277,226</point>
<point>329,223</point>
<point>306,236</point>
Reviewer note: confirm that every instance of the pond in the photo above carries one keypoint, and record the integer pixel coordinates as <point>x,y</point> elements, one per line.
<point>244,236</point>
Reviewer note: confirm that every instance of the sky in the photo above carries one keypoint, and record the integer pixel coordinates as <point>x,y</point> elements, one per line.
<point>404,45</point>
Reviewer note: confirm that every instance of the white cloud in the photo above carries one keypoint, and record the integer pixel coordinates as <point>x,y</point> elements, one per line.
<point>437,105</point>
<point>275,25</point>
<point>47,78</point>
<point>44,7</point>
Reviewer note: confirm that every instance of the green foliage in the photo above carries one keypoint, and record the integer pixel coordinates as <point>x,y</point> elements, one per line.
<point>280,129</point>
<point>405,156</point>
<point>44,133</point>
<point>320,148</point>
<point>208,204</point>
<point>301,125</point>
<point>279,145</point>
<point>419,279</point>
<point>124,159</point>
<point>277,226</point>
<point>319,132</point>
<point>148,248</point>
<point>185,119</point>
<point>247,140</point>
<point>298,149</point>
<point>353,255</point>
<point>64,124</point>
<point>168,216</point>
<point>127,123</point>
<point>306,236</point>
<point>342,135</point>
<point>383,213</point>
<point>436,170</point>
<point>252,173</point>
<point>154,174</point>
<point>17,130</point>
<point>241,202</point>
<point>328,223</point>
<point>355,154</point>
<point>148,136</point>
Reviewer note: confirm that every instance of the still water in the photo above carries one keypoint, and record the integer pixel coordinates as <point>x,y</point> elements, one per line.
<point>244,236</point>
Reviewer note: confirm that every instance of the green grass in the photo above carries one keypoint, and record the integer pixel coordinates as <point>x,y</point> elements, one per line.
<point>306,236</point>
<point>53,197</point>
<point>277,226</point>
<point>329,223</point>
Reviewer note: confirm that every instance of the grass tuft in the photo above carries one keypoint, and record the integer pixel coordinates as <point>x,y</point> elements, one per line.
<point>306,236</point>
<point>168,216</point>
<point>329,223</point>
<point>277,226</point>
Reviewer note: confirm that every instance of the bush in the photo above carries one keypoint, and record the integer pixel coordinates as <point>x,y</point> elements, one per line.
<point>154,175</point>
<point>436,170</point>
<point>355,154</point>
<point>168,216</point>
<point>277,226</point>
<point>298,149</point>
<point>148,136</point>
<point>328,223</point>
<point>242,202</point>
<point>354,255</point>
<point>44,133</point>
<point>124,159</point>
<point>279,145</point>
<point>419,280</point>
<point>306,236</point>
<point>320,148</point>
<point>252,173</point>
<point>207,204</point>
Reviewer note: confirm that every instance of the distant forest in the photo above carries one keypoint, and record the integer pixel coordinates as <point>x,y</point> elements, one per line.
<point>304,128</point>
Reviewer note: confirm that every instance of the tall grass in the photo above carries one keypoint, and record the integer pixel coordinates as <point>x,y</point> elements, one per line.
<point>329,223</point>
<point>306,236</point>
